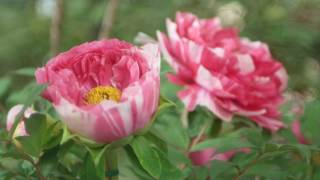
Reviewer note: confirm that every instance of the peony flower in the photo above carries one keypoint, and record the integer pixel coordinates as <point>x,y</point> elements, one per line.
<point>103,90</point>
<point>227,74</point>
<point>11,117</point>
<point>203,157</point>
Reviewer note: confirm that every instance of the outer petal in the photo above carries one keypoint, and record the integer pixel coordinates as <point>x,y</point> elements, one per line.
<point>78,120</point>
<point>268,122</point>
<point>151,53</point>
<point>194,96</point>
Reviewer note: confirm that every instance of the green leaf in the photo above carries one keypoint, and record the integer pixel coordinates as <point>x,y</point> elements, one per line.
<point>222,169</point>
<point>310,121</point>
<point>163,104</point>
<point>89,171</point>
<point>147,156</point>
<point>53,135</point>
<point>132,167</point>
<point>97,153</point>
<point>66,135</point>
<point>168,125</point>
<point>25,72</point>
<point>36,127</point>
<point>169,171</point>
<point>303,150</point>
<point>222,144</point>
<point>157,141</point>
<point>272,171</point>
<point>4,85</point>
<point>200,173</point>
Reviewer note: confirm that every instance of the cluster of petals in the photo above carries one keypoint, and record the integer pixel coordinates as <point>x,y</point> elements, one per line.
<point>223,72</point>
<point>134,71</point>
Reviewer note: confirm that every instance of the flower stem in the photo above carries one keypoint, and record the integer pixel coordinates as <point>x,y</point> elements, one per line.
<point>112,171</point>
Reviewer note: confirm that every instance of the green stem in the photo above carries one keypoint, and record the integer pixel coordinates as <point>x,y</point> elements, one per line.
<point>112,171</point>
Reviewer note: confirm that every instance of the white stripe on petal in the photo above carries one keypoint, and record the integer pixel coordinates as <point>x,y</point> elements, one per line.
<point>172,30</point>
<point>205,79</point>
<point>126,116</point>
<point>76,119</point>
<point>218,52</point>
<point>195,52</point>
<point>245,63</point>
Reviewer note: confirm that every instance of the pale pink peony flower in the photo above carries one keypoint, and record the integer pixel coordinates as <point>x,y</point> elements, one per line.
<point>222,72</point>
<point>104,90</point>
<point>203,157</point>
<point>11,117</point>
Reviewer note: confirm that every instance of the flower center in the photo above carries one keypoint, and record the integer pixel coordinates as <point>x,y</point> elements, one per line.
<point>100,93</point>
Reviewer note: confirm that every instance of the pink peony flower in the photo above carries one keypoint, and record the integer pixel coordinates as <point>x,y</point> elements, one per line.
<point>104,90</point>
<point>203,157</point>
<point>223,72</point>
<point>11,117</point>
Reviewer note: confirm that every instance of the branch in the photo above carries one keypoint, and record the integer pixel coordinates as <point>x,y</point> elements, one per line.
<point>56,25</point>
<point>108,19</point>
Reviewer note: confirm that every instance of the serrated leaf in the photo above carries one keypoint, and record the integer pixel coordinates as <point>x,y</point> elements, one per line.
<point>147,156</point>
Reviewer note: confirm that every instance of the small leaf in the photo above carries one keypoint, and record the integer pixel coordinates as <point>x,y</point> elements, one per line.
<point>66,135</point>
<point>97,153</point>
<point>147,156</point>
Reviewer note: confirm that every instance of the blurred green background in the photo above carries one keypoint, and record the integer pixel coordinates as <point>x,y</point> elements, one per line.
<point>290,27</point>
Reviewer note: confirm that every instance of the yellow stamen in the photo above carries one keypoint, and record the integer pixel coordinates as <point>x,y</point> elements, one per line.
<point>100,93</point>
